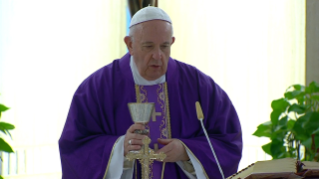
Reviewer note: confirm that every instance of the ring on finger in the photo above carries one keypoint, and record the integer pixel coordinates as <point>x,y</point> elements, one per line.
<point>130,142</point>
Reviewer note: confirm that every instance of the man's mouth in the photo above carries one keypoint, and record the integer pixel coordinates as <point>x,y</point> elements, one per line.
<point>155,66</point>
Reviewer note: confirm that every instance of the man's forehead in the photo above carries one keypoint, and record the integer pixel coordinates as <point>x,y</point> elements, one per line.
<point>151,42</point>
<point>149,14</point>
<point>151,28</point>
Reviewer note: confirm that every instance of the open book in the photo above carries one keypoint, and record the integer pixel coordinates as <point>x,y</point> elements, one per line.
<point>281,168</point>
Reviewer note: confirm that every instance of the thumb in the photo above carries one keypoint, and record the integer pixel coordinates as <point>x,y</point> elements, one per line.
<point>164,141</point>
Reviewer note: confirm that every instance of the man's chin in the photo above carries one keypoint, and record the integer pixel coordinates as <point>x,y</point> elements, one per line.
<point>154,77</point>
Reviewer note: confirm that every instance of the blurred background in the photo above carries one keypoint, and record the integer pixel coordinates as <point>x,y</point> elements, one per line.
<point>253,49</point>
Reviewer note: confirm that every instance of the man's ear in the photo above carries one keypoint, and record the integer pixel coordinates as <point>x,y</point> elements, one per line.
<point>129,44</point>
<point>173,40</point>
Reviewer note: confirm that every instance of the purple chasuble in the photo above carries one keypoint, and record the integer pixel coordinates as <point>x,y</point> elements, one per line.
<point>158,126</point>
<point>99,115</point>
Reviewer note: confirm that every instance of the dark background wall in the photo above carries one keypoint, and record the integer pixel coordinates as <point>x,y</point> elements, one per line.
<point>312,41</point>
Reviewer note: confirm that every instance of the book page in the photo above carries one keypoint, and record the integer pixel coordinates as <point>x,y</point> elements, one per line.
<point>268,169</point>
<point>276,166</point>
<point>310,165</point>
<point>244,173</point>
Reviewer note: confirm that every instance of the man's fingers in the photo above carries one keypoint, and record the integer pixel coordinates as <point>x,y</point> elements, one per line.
<point>138,136</point>
<point>136,141</point>
<point>132,140</point>
<point>165,149</point>
<point>136,127</point>
<point>164,141</point>
<point>134,147</point>
<point>168,157</point>
<point>167,146</point>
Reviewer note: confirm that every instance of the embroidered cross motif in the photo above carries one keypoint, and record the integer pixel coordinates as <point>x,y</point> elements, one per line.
<point>154,114</point>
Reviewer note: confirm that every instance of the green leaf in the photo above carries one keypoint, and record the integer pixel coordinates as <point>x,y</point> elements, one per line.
<point>4,131</point>
<point>316,131</point>
<point>314,87</point>
<point>299,109</point>
<point>307,143</point>
<point>263,130</point>
<point>266,148</point>
<point>277,149</point>
<point>290,124</point>
<point>301,99</point>
<point>283,121</point>
<point>280,104</point>
<point>3,108</point>
<point>299,131</point>
<point>299,87</point>
<point>279,133</point>
<point>315,97</point>
<point>9,134</point>
<point>312,123</point>
<point>292,94</point>
<point>274,116</point>
<point>303,120</point>
<point>4,146</point>
<point>1,177</point>
<point>6,126</point>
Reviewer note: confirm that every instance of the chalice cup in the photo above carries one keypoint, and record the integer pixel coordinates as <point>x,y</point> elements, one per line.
<point>141,113</point>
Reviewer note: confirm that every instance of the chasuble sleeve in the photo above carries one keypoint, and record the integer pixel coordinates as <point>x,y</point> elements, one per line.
<point>222,125</point>
<point>87,141</point>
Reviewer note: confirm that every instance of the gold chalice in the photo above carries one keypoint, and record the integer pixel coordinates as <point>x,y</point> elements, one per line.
<point>141,113</point>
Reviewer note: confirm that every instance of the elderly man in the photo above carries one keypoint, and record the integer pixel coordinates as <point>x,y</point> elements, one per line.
<point>99,131</point>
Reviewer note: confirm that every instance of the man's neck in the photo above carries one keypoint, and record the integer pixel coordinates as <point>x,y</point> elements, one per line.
<point>139,80</point>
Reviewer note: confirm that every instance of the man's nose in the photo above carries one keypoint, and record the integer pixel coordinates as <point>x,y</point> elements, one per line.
<point>157,54</point>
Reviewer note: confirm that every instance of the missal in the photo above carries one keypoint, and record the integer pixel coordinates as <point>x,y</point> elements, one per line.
<point>280,168</point>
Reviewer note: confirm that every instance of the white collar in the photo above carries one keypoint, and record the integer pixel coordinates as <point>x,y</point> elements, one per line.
<point>139,80</point>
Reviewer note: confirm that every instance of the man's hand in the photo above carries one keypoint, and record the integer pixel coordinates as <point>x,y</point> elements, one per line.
<point>133,141</point>
<point>174,150</point>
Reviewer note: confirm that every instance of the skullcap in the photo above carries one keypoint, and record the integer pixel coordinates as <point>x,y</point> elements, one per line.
<point>149,13</point>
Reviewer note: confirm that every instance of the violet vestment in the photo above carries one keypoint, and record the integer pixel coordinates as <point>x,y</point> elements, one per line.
<point>99,115</point>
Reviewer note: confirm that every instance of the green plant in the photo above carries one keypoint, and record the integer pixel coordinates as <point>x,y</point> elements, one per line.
<point>294,124</point>
<point>5,127</point>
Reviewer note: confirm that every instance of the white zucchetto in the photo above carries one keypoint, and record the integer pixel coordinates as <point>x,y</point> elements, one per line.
<point>149,13</point>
